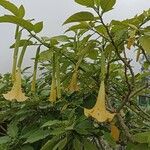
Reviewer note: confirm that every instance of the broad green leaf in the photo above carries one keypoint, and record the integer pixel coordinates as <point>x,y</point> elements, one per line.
<point>145,43</point>
<point>88,3</point>
<point>58,131</point>
<point>22,42</point>
<point>80,16</point>
<point>97,2</point>
<point>61,38</point>
<point>21,11</point>
<point>27,147</point>
<point>82,25</point>
<point>51,143</point>
<point>131,146</point>
<point>61,144</point>
<point>77,145</point>
<point>9,6</point>
<point>143,137</point>
<point>16,20</point>
<point>107,5</point>
<point>4,139</point>
<point>51,122</point>
<point>109,139</point>
<point>89,145</point>
<point>45,55</point>
<point>12,130</point>
<point>108,51</point>
<point>36,136</point>
<point>38,27</point>
<point>53,42</point>
<point>101,29</point>
<point>93,54</point>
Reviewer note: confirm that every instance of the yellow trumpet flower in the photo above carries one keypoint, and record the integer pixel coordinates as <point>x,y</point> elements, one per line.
<point>16,91</point>
<point>99,111</point>
<point>53,92</point>
<point>73,82</point>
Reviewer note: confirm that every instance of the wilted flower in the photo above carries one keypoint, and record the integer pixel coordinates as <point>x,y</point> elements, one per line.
<point>16,91</point>
<point>115,132</point>
<point>131,41</point>
<point>53,92</point>
<point>99,111</point>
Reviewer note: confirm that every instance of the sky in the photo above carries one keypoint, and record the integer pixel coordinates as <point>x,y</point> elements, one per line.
<point>53,13</point>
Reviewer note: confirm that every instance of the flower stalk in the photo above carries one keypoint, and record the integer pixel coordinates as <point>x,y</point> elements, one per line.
<point>33,84</point>
<point>15,55</point>
<point>99,111</point>
<point>53,91</point>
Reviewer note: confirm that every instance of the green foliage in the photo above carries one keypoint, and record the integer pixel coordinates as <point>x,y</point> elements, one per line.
<point>11,7</point>
<point>88,3</point>
<point>22,42</point>
<point>107,5</point>
<point>80,16</point>
<point>95,51</point>
<point>38,27</point>
<point>144,41</point>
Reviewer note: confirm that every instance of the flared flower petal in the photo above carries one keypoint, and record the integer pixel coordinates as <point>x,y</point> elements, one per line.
<point>99,111</point>
<point>16,91</point>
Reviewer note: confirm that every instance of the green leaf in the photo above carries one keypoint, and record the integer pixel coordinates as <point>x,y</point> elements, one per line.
<point>51,143</point>
<point>93,54</point>
<point>82,25</point>
<point>107,5</point>
<point>61,144</point>
<point>77,145</point>
<point>38,27</point>
<point>16,20</point>
<point>21,12</point>
<point>131,146</point>
<point>97,2</point>
<point>36,136</point>
<point>109,139</point>
<point>9,6</point>
<point>101,29</point>
<point>143,137</point>
<point>80,16</point>
<point>145,43</point>
<point>58,131</point>
<point>51,122</point>
<point>89,145</point>
<point>12,130</point>
<point>88,3</point>
<point>45,55</point>
<point>61,38</point>
<point>22,42</point>
<point>4,139</point>
<point>27,147</point>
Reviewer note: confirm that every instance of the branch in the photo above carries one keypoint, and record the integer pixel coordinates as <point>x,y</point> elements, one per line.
<point>48,46</point>
<point>116,48</point>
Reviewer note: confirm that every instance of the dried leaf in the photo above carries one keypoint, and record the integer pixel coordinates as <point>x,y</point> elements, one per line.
<point>115,133</point>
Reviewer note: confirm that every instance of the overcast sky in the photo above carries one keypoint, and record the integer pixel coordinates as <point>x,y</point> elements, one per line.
<point>54,13</point>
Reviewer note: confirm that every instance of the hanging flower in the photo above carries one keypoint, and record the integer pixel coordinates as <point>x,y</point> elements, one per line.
<point>53,92</point>
<point>73,82</point>
<point>16,91</point>
<point>115,132</point>
<point>99,111</point>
